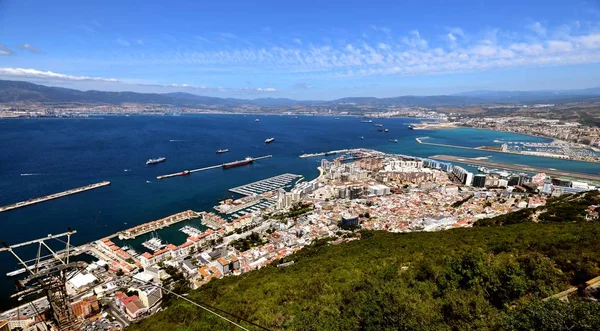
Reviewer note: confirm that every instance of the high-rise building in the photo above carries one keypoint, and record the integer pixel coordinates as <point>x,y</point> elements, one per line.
<point>479,180</point>
<point>463,175</point>
<point>349,220</point>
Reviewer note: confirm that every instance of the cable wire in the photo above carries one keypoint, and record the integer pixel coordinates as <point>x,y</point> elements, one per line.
<point>214,308</point>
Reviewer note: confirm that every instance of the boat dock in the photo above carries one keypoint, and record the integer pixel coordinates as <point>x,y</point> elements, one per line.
<point>53,196</point>
<point>139,230</point>
<point>191,231</point>
<point>186,172</point>
<point>325,153</point>
<point>266,185</point>
<point>517,167</point>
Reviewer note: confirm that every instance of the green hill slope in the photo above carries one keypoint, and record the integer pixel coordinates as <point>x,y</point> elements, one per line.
<point>478,278</point>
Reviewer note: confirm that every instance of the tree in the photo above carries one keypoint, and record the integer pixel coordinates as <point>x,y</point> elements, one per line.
<point>120,272</point>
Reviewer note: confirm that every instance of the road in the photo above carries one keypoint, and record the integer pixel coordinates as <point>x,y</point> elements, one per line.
<point>114,311</point>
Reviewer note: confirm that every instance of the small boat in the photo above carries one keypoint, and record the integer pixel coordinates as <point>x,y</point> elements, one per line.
<point>221,151</point>
<point>383,130</point>
<point>361,137</point>
<point>394,141</point>
<point>183,173</point>
<point>155,161</point>
<point>257,120</point>
<point>269,140</point>
<point>366,121</point>
<point>378,125</point>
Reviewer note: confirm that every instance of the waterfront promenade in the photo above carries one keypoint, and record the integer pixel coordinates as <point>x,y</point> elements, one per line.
<point>516,167</point>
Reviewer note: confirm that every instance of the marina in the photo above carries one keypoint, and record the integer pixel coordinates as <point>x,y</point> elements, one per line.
<point>266,185</point>
<point>248,160</point>
<point>191,231</point>
<point>517,167</point>
<point>139,230</point>
<point>154,244</point>
<point>53,196</point>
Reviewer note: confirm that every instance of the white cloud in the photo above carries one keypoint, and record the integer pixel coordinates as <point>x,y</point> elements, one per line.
<point>5,51</point>
<point>33,73</point>
<point>30,48</point>
<point>122,42</point>
<point>559,46</point>
<point>139,42</point>
<point>456,31</point>
<point>538,28</point>
<point>414,40</point>
<point>382,54</point>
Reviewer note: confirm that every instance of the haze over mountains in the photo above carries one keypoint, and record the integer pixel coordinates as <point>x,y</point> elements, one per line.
<point>25,92</point>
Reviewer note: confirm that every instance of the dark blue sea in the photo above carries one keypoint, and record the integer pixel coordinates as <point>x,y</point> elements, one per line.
<point>43,156</point>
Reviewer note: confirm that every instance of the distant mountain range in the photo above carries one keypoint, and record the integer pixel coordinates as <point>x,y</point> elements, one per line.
<point>24,92</point>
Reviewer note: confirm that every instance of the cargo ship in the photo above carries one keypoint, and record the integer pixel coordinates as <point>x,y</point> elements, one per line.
<point>270,140</point>
<point>234,164</point>
<point>155,161</point>
<point>221,151</point>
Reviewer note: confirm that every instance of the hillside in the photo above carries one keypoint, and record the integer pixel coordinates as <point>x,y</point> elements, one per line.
<point>479,278</point>
<point>24,92</point>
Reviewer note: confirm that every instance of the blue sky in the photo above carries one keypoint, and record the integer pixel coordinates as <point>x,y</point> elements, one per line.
<point>302,49</point>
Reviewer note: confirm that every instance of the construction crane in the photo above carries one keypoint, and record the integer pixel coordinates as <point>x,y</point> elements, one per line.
<point>49,274</point>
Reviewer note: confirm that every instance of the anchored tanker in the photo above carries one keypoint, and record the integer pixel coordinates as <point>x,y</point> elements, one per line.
<point>155,161</point>
<point>234,164</point>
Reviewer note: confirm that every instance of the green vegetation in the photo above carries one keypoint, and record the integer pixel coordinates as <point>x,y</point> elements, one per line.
<point>481,278</point>
<point>244,244</point>
<point>567,208</point>
<point>295,211</point>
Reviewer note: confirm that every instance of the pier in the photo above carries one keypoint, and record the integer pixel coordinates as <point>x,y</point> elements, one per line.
<point>139,230</point>
<point>266,185</point>
<point>325,153</point>
<point>187,172</point>
<point>516,167</point>
<point>53,196</point>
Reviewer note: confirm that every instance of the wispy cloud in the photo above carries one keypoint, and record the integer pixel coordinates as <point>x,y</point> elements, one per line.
<point>30,48</point>
<point>122,42</point>
<point>86,28</point>
<point>449,50</point>
<point>139,42</point>
<point>211,89</point>
<point>538,28</point>
<point>301,86</point>
<point>33,73</point>
<point>49,76</point>
<point>4,50</point>
<point>267,29</point>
